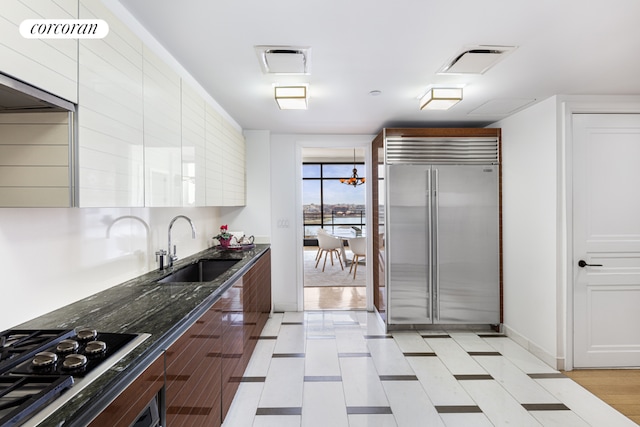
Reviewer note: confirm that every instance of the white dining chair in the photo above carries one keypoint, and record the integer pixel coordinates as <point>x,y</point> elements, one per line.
<point>319,252</point>
<point>328,245</point>
<point>358,246</point>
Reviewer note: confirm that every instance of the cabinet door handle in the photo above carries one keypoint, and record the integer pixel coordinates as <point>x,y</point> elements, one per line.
<point>583,263</point>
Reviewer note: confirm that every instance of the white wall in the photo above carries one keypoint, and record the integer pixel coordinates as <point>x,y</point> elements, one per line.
<point>52,257</point>
<point>532,229</point>
<point>286,210</point>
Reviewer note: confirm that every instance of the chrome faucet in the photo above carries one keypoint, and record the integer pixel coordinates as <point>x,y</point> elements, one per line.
<point>172,257</point>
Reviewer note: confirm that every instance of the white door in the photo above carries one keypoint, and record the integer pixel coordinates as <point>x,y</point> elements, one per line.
<point>606,236</point>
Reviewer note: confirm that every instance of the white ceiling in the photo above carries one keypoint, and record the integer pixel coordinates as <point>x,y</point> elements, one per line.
<point>563,47</point>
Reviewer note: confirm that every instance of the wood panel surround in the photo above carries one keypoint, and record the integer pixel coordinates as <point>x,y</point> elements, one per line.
<point>377,145</point>
<point>200,371</point>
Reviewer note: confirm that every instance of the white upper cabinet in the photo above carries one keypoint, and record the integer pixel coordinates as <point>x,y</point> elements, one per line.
<point>48,64</point>
<point>214,154</point>
<point>110,115</point>
<point>233,180</point>
<point>162,133</point>
<point>193,148</point>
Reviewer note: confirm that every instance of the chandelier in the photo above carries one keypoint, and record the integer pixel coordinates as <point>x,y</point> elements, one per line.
<point>354,180</point>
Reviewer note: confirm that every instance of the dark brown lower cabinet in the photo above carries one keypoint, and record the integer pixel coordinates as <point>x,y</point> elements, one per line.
<point>128,405</point>
<point>204,366</point>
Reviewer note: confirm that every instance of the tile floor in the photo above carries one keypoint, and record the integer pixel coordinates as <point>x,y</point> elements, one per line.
<point>339,368</point>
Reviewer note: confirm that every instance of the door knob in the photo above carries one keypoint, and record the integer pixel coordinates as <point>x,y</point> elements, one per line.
<point>583,263</point>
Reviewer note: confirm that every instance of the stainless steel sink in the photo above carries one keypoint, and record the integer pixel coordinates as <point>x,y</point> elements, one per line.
<point>204,270</point>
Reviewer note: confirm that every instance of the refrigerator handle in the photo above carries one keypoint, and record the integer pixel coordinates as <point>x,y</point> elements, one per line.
<point>429,267</point>
<point>435,255</point>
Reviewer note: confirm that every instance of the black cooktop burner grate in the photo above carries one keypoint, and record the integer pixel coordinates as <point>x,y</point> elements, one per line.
<point>21,396</point>
<point>18,345</point>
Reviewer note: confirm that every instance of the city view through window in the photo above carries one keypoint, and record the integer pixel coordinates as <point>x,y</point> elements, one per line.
<point>328,203</point>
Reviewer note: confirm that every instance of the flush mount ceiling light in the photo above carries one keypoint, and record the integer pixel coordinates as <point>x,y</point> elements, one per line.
<point>440,98</point>
<point>291,97</point>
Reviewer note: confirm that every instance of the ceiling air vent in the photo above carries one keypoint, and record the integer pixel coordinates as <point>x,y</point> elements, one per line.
<point>284,59</point>
<point>476,59</point>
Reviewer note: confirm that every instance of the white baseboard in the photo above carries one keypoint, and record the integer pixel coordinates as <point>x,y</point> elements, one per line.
<point>551,360</point>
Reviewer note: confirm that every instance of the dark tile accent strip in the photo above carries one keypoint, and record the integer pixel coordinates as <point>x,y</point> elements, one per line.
<point>247,379</point>
<point>354,354</point>
<point>435,336</point>
<point>398,378</point>
<point>545,407</point>
<point>377,337</point>
<point>491,335</point>
<point>288,355</point>
<point>279,411</point>
<point>378,410</point>
<point>326,378</point>
<point>484,353</point>
<point>292,323</point>
<point>426,354</point>
<point>473,377</point>
<point>462,409</point>
<point>547,375</point>
<point>268,337</point>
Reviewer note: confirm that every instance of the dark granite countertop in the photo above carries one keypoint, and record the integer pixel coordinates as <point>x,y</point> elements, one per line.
<point>141,305</point>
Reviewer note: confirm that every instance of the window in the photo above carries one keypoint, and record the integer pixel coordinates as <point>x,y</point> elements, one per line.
<point>328,203</point>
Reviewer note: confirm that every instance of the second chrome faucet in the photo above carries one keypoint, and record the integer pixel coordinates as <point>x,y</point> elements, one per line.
<point>171,257</point>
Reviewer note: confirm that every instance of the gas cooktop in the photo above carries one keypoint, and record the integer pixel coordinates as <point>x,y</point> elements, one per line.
<point>40,370</point>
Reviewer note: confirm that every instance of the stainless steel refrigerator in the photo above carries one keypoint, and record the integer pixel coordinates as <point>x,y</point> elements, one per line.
<point>442,242</point>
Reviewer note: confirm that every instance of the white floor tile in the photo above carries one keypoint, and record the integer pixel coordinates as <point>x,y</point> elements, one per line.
<point>498,405</point>
<point>559,419</point>
<point>293,316</point>
<point>440,385</point>
<point>373,420</point>
<point>283,385</point>
<point>276,421</point>
<point>291,339</point>
<point>272,328</point>
<point>454,357</point>
<point>321,336</point>
<point>351,341</point>
<point>470,341</point>
<point>388,358</point>
<point>411,342</point>
<point>244,405</point>
<point>410,404</point>
<point>584,404</point>
<point>522,387</point>
<point>466,420</point>
<point>321,358</point>
<point>361,382</point>
<point>372,324</point>
<point>260,359</point>
<point>520,357</point>
<point>324,405</point>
